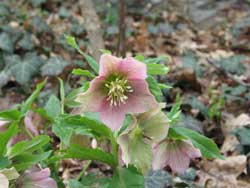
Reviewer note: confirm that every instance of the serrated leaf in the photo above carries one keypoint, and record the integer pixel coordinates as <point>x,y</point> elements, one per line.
<point>154,88</point>
<point>54,66</point>
<point>6,136</point>
<point>28,146</point>
<point>79,152</point>
<point>10,115</point>
<point>72,42</point>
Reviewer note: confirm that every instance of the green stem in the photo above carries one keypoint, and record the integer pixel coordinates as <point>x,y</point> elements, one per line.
<point>83,170</point>
<point>28,132</point>
<point>115,149</point>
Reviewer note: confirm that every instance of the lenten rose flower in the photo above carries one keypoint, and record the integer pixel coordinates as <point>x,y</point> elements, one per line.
<point>174,153</point>
<point>135,142</point>
<point>119,89</point>
<point>37,178</point>
<point>6,175</point>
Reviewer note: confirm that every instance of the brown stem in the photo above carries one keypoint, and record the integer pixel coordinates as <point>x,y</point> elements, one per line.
<point>121,47</point>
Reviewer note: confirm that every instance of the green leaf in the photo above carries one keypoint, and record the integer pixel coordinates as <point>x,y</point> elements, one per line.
<point>104,51</point>
<point>54,66</point>
<point>63,132</point>
<point>6,43</point>
<point>139,57</point>
<point>25,160</point>
<point>6,136</point>
<point>27,104</point>
<point>72,42</point>
<point>26,42</point>
<point>175,111</point>
<point>10,115</point>
<point>243,135</point>
<point>75,184</point>
<point>233,64</point>
<point>207,146</point>
<point>157,59</point>
<point>154,88</point>
<point>92,126</point>
<point>127,178</point>
<point>23,70</point>
<point>81,72</point>
<point>4,162</point>
<point>70,99</point>
<point>158,179</point>
<point>157,69</point>
<point>28,146</point>
<point>79,152</point>
<point>53,106</point>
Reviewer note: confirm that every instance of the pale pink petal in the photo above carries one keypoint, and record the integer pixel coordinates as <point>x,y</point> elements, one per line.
<point>39,175</point>
<point>132,68</point>
<point>175,154</point>
<point>188,149</point>
<point>47,183</point>
<point>140,100</point>
<point>4,182</point>
<point>29,123</point>
<point>92,99</point>
<point>108,64</point>
<point>112,116</point>
<point>160,155</point>
<point>177,162</point>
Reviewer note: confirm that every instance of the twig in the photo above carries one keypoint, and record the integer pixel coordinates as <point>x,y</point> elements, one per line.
<point>121,47</point>
<point>93,27</point>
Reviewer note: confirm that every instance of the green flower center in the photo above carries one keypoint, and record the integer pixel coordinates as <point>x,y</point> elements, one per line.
<point>118,90</point>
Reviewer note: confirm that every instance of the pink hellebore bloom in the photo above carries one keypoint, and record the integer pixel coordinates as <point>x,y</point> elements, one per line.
<point>37,179</point>
<point>120,88</point>
<point>174,153</point>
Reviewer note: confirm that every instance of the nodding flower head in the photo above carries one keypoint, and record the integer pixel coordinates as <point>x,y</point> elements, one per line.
<point>119,89</point>
<point>174,153</point>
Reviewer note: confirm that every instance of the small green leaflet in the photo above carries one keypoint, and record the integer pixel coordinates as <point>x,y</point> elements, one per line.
<point>72,42</point>
<point>27,104</point>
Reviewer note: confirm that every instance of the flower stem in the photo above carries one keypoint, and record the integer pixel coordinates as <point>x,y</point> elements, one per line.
<point>83,170</point>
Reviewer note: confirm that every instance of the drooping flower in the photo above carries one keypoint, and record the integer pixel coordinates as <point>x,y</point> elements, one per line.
<point>135,142</point>
<point>37,178</point>
<point>119,89</point>
<point>174,153</point>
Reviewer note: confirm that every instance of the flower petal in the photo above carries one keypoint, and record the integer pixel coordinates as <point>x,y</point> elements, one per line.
<point>154,124</point>
<point>47,183</point>
<point>159,157</point>
<point>175,159</point>
<point>132,68</point>
<point>112,116</point>
<point>108,64</point>
<point>92,99</point>
<point>4,182</point>
<point>140,100</point>
<point>188,149</point>
<point>39,175</point>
